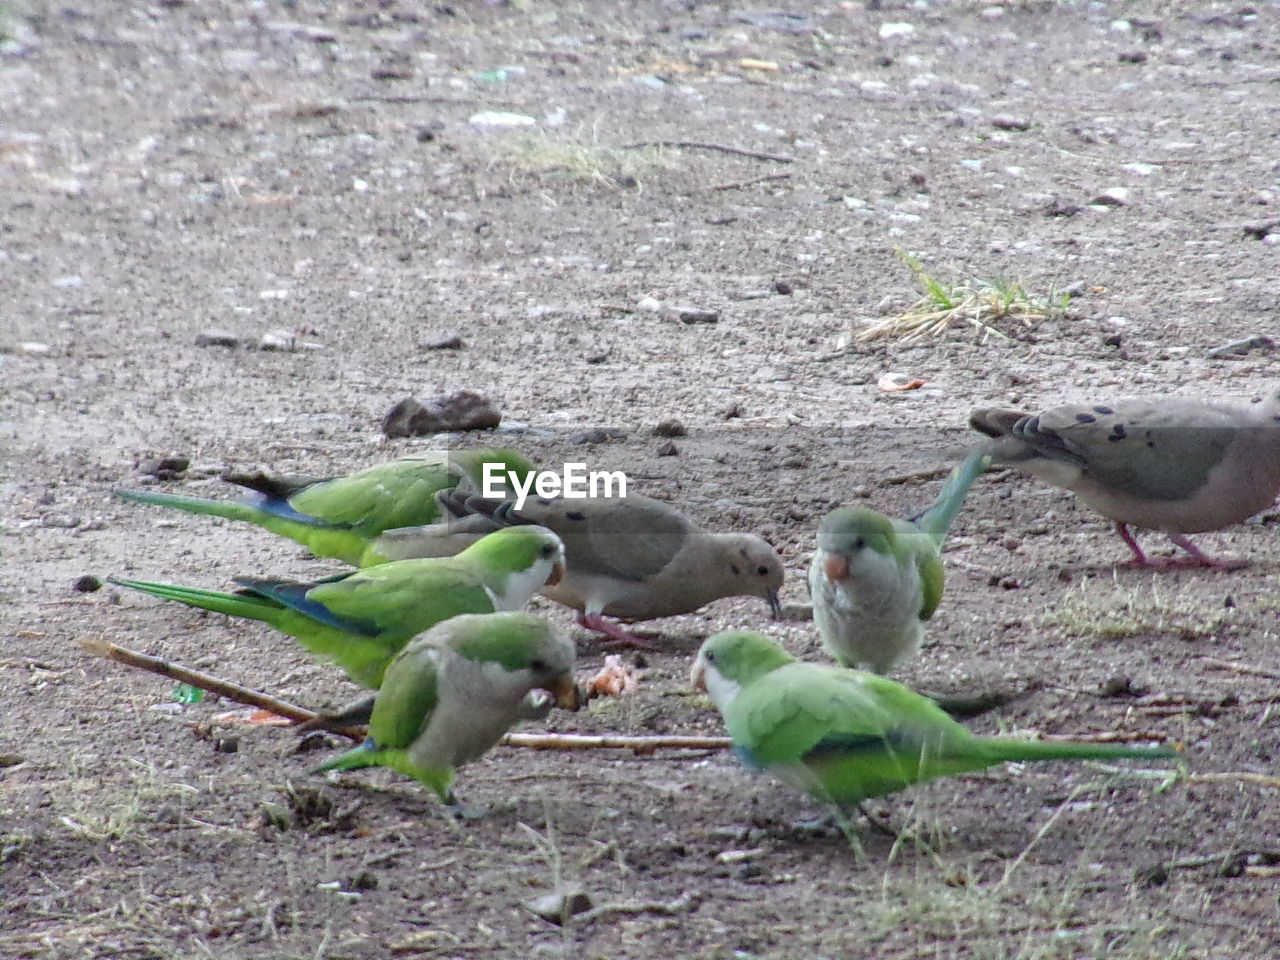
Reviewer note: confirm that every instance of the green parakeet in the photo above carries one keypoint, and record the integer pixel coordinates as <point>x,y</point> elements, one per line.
<point>1175,464</point>
<point>876,581</point>
<point>339,517</point>
<point>843,736</point>
<point>453,692</point>
<point>360,620</point>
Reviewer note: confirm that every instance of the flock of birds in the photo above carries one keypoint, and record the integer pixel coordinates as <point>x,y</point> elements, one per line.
<point>431,618</point>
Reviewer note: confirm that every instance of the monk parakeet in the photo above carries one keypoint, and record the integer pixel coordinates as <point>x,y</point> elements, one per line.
<point>453,692</point>
<point>875,581</point>
<point>629,557</point>
<point>338,517</point>
<point>843,736</point>
<point>361,619</point>
<point>1175,464</point>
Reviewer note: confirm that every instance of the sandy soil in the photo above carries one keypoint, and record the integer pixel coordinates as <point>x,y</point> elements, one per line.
<point>172,168</point>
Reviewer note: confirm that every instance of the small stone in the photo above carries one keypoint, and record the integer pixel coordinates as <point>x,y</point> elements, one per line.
<point>281,341</point>
<point>670,428</point>
<point>598,435</point>
<point>732,412</point>
<point>86,584</point>
<point>692,315</point>
<point>1075,289</point>
<point>595,359</point>
<point>1120,686</point>
<point>1112,341</point>
<point>557,908</point>
<point>889,30</point>
<point>500,118</point>
<point>668,449</point>
<point>748,872</point>
<point>32,349</point>
<point>649,305</point>
<point>1261,229</point>
<point>739,856</point>
<point>226,745</point>
<point>797,611</point>
<point>364,880</point>
<point>1058,207</point>
<point>1111,197</point>
<point>163,468</point>
<point>1151,875</point>
<point>463,410</point>
<point>217,338</point>
<point>451,342</point>
<point>1014,124</point>
<point>1132,56</point>
<point>61,521</point>
<point>783,287</point>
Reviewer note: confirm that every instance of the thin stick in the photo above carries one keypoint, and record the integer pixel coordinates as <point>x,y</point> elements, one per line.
<point>224,688</point>
<point>1240,668</point>
<point>699,145</point>
<point>610,741</point>
<point>742,184</point>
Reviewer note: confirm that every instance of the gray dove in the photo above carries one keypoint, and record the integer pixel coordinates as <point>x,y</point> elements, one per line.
<point>1174,464</point>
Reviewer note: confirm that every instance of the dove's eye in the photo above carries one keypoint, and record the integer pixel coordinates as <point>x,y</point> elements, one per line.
<point>538,666</point>
<point>762,570</point>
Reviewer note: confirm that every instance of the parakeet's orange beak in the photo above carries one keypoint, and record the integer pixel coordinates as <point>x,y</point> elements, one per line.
<point>566,692</point>
<point>835,566</point>
<point>698,676</point>
<point>556,574</point>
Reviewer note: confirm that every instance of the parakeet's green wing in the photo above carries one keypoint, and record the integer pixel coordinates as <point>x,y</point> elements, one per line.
<point>406,699</point>
<point>923,551</point>
<point>396,494</point>
<point>409,595</point>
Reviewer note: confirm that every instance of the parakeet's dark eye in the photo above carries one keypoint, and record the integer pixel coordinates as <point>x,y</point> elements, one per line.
<point>538,666</point>
<point>709,657</point>
<point>762,570</point>
<point>859,543</point>
<point>548,550</point>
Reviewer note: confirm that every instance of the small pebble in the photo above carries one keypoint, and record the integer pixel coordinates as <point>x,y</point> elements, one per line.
<point>452,342</point>
<point>559,907</point>
<point>226,745</point>
<point>598,435</point>
<point>668,449</point>
<point>1015,124</point>
<point>87,584</point>
<point>784,288</point>
<point>463,410</point>
<point>1111,197</point>
<point>163,468</point>
<point>670,428</point>
<point>217,338</point>
<point>692,315</point>
<point>282,341</point>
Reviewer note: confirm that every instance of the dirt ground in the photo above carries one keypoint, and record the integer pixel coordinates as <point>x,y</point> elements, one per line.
<point>172,168</point>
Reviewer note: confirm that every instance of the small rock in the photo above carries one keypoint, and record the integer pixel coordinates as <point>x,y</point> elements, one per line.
<point>451,342</point>
<point>1057,207</point>
<point>86,584</point>
<point>364,880</point>
<point>784,288</point>
<point>668,449</point>
<point>1151,875</point>
<point>1261,229</point>
<point>595,359</point>
<point>62,521</point>
<point>1239,348</point>
<point>557,908</point>
<point>32,348</point>
<point>1076,289</point>
<point>598,435</point>
<point>226,745</point>
<point>888,30</point>
<point>732,412</point>
<point>748,872</point>
<point>463,410</point>
<point>11,760</point>
<point>1120,686</point>
<point>1112,341</point>
<point>797,611</point>
<point>282,341</point>
<point>670,428</point>
<point>1111,197</point>
<point>692,315</point>
<point>650,305</point>
<point>217,338</point>
<point>1132,56</point>
<point>739,856</point>
<point>1014,124</point>
<point>163,468</point>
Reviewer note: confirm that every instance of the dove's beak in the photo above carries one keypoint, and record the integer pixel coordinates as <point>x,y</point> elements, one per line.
<point>835,566</point>
<point>556,574</point>
<point>566,692</point>
<point>775,605</point>
<point>698,676</point>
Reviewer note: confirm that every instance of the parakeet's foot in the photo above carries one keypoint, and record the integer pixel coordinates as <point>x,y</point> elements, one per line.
<point>355,714</point>
<point>617,636</point>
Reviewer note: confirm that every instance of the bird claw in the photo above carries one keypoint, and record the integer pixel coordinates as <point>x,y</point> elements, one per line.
<point>618,637</point>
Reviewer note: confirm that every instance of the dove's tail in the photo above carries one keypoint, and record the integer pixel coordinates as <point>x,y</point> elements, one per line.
<point>232,604</point>
<point>937,519</point>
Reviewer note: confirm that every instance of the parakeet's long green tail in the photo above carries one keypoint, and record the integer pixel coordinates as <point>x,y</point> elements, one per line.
<point>365,755</point>
<point>233,604</point>
<point>230,509</point>
<point>937,519</point>
<point>1006,748</point>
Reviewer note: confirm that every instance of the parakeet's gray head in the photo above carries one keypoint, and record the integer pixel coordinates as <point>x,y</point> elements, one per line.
<point>729,661</point>
<point>751,568</point>
<point>518,652</point>
<point>847,533</point>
